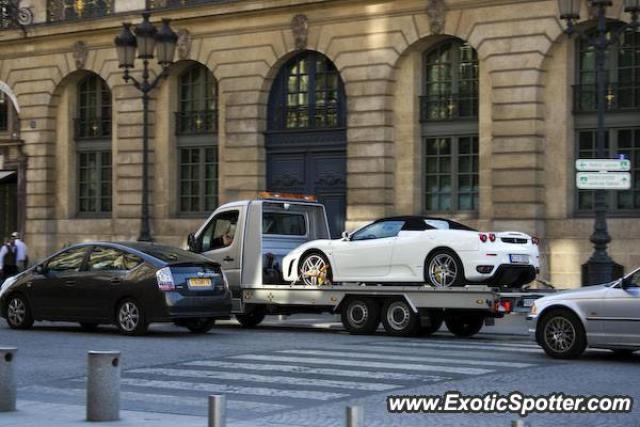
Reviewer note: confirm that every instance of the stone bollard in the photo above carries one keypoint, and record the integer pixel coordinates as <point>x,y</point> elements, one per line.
<point>7,379</point>
<point>217,411</point>
<point>103,386</point>
<point>355,416</point>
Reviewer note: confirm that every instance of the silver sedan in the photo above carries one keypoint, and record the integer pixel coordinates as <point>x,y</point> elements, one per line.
<point>603,316</point>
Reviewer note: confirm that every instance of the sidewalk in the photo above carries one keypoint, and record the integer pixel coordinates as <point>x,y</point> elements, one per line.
<point>34,414</point>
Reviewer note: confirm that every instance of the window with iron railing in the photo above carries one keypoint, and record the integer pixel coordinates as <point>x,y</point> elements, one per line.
<point>93,120</point>
<point>197,112</point>
<point>65,10</point>
<point>451,87</point>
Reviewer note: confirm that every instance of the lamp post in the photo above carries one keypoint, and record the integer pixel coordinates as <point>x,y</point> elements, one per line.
<point>146,40</point>
<point>600,267</point>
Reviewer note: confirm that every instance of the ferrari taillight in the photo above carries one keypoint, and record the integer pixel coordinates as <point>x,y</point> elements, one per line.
<point>492,237</point>
<point>535,240</point>
<point>483,237</point>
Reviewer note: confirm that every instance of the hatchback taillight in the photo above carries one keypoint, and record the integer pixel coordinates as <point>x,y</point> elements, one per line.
<point>165,280</point>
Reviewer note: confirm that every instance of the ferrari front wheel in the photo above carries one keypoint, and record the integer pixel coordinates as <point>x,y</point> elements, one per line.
<point>315,270</point>
<point>443,269</point>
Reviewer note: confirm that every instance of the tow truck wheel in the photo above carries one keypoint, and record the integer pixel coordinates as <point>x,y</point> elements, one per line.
<point>399,319</point>
<point>464,325</point>
<point>360,315</point>
<point>561,334</point>
<point>250,320</point>
<point>436,320</point>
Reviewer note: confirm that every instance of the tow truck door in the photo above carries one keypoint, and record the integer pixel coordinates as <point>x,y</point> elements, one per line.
<point>220,240</point>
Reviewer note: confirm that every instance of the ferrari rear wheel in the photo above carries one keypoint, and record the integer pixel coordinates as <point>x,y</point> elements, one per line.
<point>443,269</point>
<point>315,270</point>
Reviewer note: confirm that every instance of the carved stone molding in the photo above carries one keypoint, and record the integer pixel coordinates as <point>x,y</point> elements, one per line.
<point>80,53</point>
<point>184,44</point>
<point>300,31</point>
<point>436,10</point>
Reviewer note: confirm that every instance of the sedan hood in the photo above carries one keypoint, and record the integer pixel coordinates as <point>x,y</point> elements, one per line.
<point>591,292</point>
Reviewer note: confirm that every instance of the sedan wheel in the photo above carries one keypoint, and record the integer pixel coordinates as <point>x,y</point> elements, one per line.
<point>315,270</point>
<point>443,269</point>
<point>130,318</point>
<point>561,335</point>
<point>19,313</point>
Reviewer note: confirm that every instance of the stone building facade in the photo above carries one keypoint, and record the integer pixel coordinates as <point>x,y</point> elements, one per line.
<point>474,109</point>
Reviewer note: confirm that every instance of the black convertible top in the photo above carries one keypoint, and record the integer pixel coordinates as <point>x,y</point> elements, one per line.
<point>419,223</point>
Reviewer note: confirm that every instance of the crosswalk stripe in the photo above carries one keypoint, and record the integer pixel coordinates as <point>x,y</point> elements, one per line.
<point>277,379</point>
<point>366,364</point>
<point>299,369</point>
<point>162,399</point>
<point>460,346</point>
<point>388,351</point>
<point>233,389</point>
<point>483,342</point>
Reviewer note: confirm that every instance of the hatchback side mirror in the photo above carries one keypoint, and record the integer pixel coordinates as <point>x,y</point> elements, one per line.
<point>39,269</point>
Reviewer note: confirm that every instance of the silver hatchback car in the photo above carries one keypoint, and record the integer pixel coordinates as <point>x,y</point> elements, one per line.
<point>603,316</point>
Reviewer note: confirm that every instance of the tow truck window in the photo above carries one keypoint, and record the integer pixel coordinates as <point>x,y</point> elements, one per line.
<point>221,231</point>
<point>283,224</point>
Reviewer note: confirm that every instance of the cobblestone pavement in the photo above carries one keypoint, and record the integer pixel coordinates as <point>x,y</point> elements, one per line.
<point>283,375</point>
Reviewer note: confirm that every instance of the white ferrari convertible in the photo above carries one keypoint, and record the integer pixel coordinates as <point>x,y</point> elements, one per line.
<point>419,250</point>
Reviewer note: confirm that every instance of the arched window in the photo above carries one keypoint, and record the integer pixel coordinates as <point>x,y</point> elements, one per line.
<point>309,95</point>
<point>93,145</point>
<point>197,140</point>
<point>623,107</point>
<point>449,117</point>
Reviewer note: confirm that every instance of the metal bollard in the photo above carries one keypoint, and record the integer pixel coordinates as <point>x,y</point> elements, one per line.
<point>103,386</point>
<point>7,379</point>
<point>217,411</point>
<point>355,416</point>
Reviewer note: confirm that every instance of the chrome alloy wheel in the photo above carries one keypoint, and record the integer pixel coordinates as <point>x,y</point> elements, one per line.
<point>443,270</point>
<point>358,313</point>
<point>314,270</point>
<point>398,315</point>
<point>129,316</point>
<point>16,312</point>
<point>559,334</point>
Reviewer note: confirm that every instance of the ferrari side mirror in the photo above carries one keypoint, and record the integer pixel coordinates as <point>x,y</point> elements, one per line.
<point>345,235</point>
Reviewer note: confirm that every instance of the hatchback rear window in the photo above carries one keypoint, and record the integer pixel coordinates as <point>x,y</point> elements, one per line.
<point>284,224</point>
<point>170,254</point>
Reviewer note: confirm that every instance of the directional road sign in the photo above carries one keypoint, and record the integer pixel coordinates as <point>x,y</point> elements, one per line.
<point>603,180</point>
<point>603,165</point>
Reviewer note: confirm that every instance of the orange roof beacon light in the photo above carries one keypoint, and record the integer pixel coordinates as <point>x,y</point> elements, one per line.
<point>287,196</point>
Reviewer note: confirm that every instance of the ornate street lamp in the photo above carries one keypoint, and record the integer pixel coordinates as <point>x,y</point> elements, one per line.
<point>147,40</point>
<point>600,267</point>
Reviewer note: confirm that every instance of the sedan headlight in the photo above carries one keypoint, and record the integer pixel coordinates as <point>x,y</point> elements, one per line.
<point>533,310</point>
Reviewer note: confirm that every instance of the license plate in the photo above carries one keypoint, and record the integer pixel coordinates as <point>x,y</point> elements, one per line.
<point>528,302</point>
<point>200,282</point>
<point>519,259</point>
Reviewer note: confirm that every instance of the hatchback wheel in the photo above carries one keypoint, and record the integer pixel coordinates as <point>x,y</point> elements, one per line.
<point>19,313</point>
<point>130,318</point>
<point>201,325</point>
<point>561,334</point>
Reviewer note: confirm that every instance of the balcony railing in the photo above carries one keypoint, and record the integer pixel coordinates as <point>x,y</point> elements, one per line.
<point>92,128</point>
<point>304,117</point>
<point>196,122</point>
<point>448,107</point>
<point>67,10</point>
<point>618,97</point>
<point>161,4</point>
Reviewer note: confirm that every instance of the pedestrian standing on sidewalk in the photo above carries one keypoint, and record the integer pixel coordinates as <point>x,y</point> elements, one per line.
<point>22,255</point>
<point>8,256</point>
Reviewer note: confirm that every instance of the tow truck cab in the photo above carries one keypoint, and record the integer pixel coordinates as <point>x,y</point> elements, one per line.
<point>249,238</point>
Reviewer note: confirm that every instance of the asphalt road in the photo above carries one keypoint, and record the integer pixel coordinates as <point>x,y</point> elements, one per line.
<point>303,371</point>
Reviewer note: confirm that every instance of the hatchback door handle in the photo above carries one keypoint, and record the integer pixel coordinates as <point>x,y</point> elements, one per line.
<point>70,282</point>
<point>227,259</point>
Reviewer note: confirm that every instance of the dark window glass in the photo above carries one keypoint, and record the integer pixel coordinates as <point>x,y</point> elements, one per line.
<point>379,230</point>
<point>110,259</point>
<point>451,89</point>
<point>70,260</point>
<point>198,179</point>
<point>283,224</point>
<point>94,182</point>
<point>451,173</point>
<point>4,112</point>
<point>197,111</point>
<point>220,232</point>
<point>93,119</point>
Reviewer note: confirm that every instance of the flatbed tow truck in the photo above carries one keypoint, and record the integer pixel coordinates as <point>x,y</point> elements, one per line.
<point>250,238</point>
